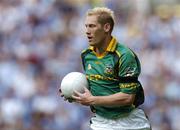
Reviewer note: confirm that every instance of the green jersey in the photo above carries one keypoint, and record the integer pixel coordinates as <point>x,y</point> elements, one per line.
<point>116,70</point>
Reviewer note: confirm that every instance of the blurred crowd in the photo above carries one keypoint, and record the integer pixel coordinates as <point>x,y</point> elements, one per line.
<point>41,41</point>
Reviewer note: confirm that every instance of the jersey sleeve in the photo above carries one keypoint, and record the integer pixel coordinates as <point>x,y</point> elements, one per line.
<point>129,70</point>
<point>83,55</point>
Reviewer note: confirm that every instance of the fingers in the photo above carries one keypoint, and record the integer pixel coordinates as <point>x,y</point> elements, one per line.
<point>70,100</point>
<point>61,95</point>
<point>77,98</point>
<point>86,90</point>
<point>60,90</point>
<point>77,93</point>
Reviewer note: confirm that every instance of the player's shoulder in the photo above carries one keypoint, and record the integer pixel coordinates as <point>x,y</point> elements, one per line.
<point>86,51</point>
<point>122,49</point>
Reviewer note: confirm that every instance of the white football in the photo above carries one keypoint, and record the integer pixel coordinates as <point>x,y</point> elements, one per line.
<point>73,81</point>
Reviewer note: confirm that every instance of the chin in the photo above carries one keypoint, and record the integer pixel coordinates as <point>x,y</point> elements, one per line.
<point>91,44</point>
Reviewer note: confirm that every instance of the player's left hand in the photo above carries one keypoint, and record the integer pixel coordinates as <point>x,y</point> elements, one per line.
<point>85,98</point>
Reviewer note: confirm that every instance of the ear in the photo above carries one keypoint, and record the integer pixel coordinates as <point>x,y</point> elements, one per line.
<point>107,27</point>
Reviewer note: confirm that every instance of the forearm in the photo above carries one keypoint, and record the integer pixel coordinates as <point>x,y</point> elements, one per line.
<point>118,99</point>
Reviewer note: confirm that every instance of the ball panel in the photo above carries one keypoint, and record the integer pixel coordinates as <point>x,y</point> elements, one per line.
<point>73,81</point>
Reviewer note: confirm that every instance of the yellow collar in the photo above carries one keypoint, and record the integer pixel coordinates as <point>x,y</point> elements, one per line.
<point>111,46</point>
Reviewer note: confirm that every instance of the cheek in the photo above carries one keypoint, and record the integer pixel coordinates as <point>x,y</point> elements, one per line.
<point>99,34</point>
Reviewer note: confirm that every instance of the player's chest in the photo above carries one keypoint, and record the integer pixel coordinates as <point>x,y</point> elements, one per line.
<point>106,66</point>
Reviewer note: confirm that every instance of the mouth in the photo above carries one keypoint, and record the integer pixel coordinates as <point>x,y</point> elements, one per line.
<point>90,38</point>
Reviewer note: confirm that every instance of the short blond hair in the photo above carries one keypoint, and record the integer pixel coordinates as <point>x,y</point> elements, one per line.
<point>105,15</point>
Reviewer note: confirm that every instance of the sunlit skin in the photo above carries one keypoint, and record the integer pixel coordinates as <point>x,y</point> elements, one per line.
<point>118,99</point>
<point>98,35</point>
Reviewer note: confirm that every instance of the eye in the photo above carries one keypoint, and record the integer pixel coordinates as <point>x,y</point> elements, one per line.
<point>92,25</point>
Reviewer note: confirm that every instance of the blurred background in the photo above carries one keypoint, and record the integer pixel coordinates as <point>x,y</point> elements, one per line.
<point>41,41</point>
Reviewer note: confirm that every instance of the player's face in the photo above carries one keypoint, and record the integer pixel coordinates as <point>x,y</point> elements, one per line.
<point>94,31</point>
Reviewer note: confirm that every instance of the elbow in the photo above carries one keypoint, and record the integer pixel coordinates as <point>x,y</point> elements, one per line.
<point>130,99</point>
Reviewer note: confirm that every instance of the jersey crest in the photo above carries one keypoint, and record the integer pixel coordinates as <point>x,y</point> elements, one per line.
<point>108,69</point>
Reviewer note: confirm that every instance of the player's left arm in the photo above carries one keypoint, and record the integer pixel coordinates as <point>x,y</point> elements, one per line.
<point>129,71</point>
<point>118,99</point>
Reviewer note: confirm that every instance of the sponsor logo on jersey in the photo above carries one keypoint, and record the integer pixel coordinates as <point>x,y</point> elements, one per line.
<point>97,77</point>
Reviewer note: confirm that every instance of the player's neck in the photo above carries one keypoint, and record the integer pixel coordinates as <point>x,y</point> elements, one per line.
<point>102,47</point>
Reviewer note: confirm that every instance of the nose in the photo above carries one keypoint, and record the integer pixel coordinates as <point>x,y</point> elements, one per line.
<point>87,31</point>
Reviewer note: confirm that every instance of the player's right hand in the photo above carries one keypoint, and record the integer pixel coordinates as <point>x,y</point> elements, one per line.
<point>70,100</point>
<point>61,92</point>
